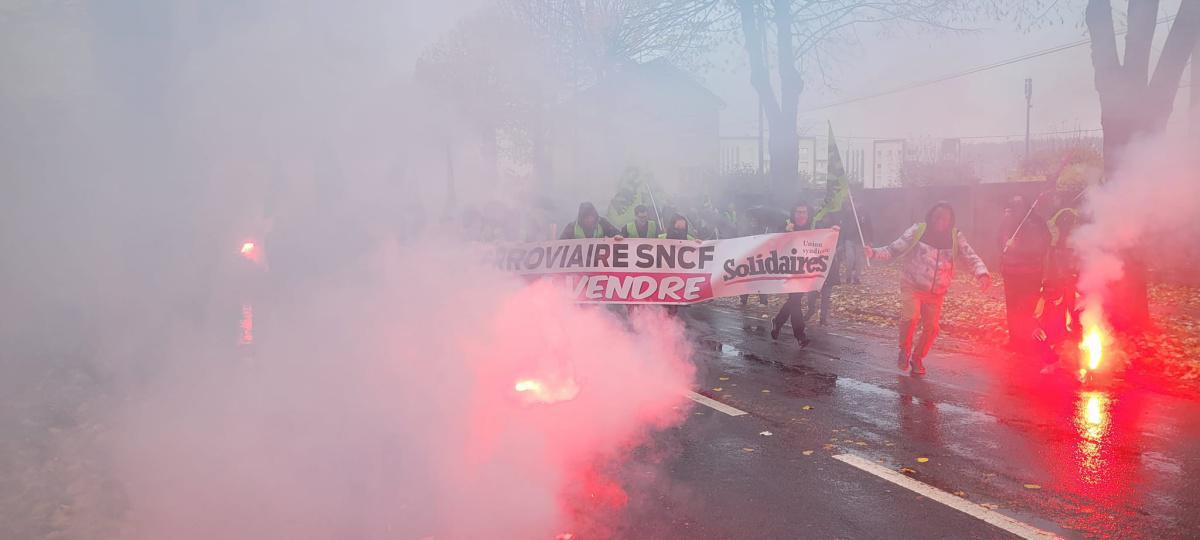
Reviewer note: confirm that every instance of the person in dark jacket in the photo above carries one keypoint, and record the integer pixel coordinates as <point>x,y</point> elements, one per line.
<point>822,301</point>
<point>854,261</point>
<point>1024,244</point>
<point>589,224</point>
<point>678,228</point>
<point>793,309</point>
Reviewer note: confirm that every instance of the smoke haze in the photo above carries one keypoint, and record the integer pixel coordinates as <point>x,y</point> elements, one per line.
<point>142,144</point>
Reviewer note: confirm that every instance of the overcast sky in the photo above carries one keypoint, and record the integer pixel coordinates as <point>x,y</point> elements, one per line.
<point>987,103</point>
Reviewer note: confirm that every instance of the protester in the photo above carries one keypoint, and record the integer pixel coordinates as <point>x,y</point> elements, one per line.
<point>927,251</point>
<point>1024,243</point>
<point>857,234</point>
<point>589,224</point>
<point>793,309</point>
<point>641,226</point>
<point>1059,322</point>
<point>825,296</point>
<point>679,229</point>
<point>751,226</point>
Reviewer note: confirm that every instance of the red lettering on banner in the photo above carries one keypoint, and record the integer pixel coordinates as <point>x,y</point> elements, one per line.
<point>635,287</point>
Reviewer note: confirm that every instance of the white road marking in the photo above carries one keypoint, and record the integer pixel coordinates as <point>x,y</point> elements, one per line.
<point>705,400</point>
<point>990,517</point>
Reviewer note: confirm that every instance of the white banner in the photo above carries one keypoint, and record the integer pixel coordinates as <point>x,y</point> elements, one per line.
<point>646,271</point>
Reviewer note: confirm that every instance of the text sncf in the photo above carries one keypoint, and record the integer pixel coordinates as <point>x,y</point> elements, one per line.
<point>645,256</point>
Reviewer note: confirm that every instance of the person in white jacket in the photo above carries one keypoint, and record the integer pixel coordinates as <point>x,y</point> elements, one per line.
<point>927,252</point>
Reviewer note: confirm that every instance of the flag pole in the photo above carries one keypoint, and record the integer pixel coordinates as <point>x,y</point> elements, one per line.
<point>1022,223</point>
<point>655,205</point>
<point>857,223</point>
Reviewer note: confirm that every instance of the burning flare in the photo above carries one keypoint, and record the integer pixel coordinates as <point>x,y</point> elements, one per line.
<point>535,391</point>
<point>1095,339</point>
<point>1093,347</point>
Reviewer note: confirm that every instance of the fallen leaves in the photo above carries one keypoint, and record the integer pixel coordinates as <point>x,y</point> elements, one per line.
<point>724,378</point>
<point>807,407</point>
<point>717,389</point>
<point>1172,351</point>
<point>807,452</point>
<point>922,460</point>
<point>1032,486</point>
<point>766,433</point>
<point>908,470</point>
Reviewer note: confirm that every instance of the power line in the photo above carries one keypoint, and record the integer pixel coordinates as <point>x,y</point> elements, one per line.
<point>971,71</point>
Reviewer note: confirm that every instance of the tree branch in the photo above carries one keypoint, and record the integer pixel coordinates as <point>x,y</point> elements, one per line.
<point>1105,62</point>
<point>790,83</point>
<point>1143,16</point>
<point>1176,51</point>
<point>759,76</point>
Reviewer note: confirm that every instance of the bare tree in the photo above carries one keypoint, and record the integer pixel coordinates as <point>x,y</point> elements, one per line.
<point>1134,100</point>
<point>783,37</point>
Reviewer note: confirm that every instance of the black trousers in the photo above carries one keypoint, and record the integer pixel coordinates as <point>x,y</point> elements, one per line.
<point>792,309</point>
<point>1021,293</point>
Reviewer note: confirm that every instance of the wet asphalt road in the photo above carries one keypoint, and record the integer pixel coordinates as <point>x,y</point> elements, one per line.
<point>1114,461</point>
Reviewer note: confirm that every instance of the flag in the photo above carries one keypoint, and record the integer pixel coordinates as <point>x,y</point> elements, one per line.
<point>629,195</point>
<point>837,186</point>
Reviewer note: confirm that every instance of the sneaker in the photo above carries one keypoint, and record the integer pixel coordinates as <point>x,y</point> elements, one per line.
<point>803,341</point>
<point>918,366</point>
<point>902,361</point>
<point>775,331</point>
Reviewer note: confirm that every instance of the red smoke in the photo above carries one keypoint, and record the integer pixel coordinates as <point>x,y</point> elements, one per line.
<point>386,405</point>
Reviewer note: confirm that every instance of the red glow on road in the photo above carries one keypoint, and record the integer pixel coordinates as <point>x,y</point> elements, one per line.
<point>247,324</point>
<point>1093,423</point>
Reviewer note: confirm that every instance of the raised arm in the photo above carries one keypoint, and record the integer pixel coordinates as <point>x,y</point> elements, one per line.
<point>896,248</point>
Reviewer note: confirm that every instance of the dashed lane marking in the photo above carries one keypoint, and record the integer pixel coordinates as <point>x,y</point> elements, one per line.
<point>709,402</point>
<point>986,515</point>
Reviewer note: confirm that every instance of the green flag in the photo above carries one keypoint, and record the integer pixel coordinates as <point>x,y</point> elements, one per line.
<point>629,195</point>
<point>837,186</point>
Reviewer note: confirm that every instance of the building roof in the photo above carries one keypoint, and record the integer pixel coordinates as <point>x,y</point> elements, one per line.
<point>661,73</point>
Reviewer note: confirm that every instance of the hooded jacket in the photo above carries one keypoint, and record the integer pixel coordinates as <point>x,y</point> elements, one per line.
<point>928,261</point>
<point>673,234</point>
<point>574,230</point>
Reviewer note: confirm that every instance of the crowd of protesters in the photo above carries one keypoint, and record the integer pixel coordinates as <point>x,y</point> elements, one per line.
<point>1036,264</point>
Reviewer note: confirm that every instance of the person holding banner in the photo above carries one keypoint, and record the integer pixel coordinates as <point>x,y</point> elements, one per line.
<point>679,229</point>
<point>927,251</point>
<point>793,309</point>
<point>641,226</point>
<point>822,301</point>
<point>589,224</point>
